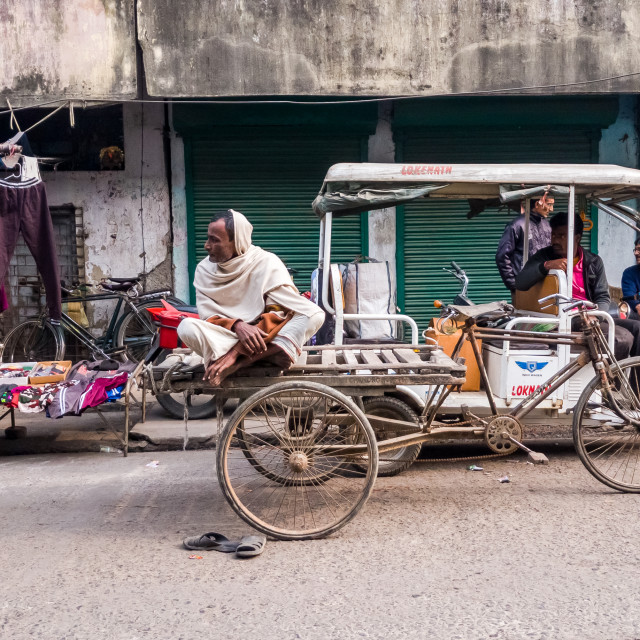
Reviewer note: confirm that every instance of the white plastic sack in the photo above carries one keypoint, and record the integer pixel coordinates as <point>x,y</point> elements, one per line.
<point>367,289</point>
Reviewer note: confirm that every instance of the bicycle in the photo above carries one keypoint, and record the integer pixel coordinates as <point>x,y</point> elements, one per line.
<point>606,418</point>
<point>128,335</point>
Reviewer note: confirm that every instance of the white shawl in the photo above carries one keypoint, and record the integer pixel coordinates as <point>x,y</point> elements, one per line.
<point>238,288</point>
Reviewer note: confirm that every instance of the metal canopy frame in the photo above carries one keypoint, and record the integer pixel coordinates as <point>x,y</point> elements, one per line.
<point>606,186</point>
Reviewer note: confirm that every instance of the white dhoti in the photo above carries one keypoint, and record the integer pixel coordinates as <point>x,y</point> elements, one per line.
<point>212,341</point>
<point>207,340</point>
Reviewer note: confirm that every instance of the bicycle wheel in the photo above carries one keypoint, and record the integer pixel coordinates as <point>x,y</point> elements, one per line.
<point>393,462</point>
<point>200,406</point>
<point>34,341</point>
<point>284,461</point>
<point>605,438</point>
<point>135,332</point>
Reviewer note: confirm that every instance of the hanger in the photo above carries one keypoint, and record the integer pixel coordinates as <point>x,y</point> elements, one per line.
<point>17,175</point>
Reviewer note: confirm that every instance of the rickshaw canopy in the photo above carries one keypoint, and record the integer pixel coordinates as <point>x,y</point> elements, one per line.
<point>350,188</point>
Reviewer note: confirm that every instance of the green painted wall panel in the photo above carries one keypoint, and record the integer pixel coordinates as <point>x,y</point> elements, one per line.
<point>272,176</point>
<point>432,234</point>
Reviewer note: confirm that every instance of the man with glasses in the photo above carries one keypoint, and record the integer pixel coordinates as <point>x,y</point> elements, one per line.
<point>511,247</point>
<point>631,282</point>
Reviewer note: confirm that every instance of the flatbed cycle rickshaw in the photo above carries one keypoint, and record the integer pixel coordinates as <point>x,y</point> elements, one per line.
<point>299,456</point>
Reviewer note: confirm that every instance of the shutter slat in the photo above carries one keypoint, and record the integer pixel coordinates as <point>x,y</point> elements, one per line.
<point>272,177</point>
<point>437,232</point>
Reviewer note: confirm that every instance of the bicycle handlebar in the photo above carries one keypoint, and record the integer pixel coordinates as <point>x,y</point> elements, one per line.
<point>572,302</point>
<point>585,304</point>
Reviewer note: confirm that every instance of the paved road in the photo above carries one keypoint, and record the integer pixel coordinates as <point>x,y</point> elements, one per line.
<point>90,549</point>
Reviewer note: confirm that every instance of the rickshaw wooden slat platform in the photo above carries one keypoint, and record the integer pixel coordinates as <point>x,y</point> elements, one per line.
<point>372,366</point>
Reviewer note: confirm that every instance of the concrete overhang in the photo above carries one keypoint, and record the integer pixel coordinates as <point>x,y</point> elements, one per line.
<point>59,50</point>
<point>338,47</point>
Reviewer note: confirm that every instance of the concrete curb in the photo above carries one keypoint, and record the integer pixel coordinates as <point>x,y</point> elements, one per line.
<point>88,433</point>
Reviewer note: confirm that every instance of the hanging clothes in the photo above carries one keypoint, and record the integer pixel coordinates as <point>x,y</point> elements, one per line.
<point>4,303</point>
<point>24,209</point>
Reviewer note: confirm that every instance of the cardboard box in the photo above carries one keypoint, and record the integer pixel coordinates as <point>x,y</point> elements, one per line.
<point>37,380</point>
<point>448,343</point>
<point>18,382</point>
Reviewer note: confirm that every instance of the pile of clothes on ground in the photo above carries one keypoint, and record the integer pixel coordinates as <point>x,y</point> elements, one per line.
<point>88,384</point>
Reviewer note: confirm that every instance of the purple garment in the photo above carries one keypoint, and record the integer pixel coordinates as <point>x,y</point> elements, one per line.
<point>4,303</point>
<point>25,210</point>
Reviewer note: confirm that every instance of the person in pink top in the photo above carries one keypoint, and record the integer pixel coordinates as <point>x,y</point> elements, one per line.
<point>589,278</point>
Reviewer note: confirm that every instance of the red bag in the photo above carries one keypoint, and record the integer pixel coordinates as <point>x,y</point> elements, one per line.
<point>168,318</point>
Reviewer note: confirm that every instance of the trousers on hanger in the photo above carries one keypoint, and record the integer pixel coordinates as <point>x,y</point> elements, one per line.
<point>4,303</point>
<point>24,209</point>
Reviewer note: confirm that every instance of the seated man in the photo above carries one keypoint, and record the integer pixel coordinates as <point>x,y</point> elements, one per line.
<point>631,282</point>
<point>249,307</point>
<point>589,279</point>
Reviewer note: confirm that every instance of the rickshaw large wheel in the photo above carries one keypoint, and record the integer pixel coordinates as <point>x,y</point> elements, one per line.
<point>289,474</point>
<point>392,463</point>
<point>606,441</point>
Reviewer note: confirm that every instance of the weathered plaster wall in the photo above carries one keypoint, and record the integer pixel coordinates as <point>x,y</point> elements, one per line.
<point>619,145</point>
<point>243,47</point>
<point>179,210</point>
<point>65,49</point>
<point>117,232</point>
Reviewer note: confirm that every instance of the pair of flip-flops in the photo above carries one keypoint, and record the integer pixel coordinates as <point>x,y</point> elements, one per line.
<point>246,547</point>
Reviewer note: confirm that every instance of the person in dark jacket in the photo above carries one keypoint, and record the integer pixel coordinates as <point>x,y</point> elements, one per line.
<point>631,282</point>
<point>589,278</point>
<point>511,247</point>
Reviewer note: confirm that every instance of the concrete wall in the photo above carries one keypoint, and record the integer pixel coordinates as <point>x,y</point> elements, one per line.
<point>126,219</point>
<point>65,49</point>
<point>619,145</point>
<point>341,47</point>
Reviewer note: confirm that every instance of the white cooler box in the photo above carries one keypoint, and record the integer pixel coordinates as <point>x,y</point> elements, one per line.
<point>521,372</point>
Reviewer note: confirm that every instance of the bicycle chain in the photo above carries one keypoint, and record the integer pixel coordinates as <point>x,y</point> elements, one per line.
<point>459,459</point>
<point>465,423</point>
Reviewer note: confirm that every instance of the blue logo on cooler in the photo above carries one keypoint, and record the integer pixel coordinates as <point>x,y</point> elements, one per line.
<point>531,365</point>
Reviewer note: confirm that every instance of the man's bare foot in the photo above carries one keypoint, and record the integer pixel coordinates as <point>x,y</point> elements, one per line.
<point>218,370</point>
<point>279,357</point>
<point>231,361</point>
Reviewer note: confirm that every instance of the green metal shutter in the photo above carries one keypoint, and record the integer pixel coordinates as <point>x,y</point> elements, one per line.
<point>431,234</point>
<point>272,176</point>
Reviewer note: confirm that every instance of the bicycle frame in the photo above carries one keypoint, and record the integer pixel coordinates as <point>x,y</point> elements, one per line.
<point>107,337</point>
<point>103,346</point>
<point>596,350</point>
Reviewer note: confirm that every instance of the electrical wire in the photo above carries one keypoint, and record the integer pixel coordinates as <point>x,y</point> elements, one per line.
<point>162,100</point>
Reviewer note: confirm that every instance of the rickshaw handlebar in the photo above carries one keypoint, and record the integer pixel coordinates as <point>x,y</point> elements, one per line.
<point>557,299</point>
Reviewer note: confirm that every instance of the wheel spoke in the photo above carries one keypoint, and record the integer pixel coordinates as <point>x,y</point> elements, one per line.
<point>607,443</point>
<point>273,465</point>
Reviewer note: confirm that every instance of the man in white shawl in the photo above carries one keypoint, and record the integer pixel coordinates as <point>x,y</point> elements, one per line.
<point>249,307</point>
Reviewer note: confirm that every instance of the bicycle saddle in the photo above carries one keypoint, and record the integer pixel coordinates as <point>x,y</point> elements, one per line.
<point>122,285</point>
<point>123,280</point>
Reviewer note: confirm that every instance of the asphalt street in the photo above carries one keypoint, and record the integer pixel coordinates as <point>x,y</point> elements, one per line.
<point>90,548</point>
